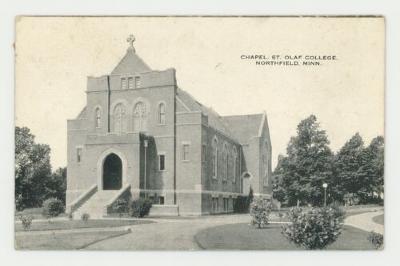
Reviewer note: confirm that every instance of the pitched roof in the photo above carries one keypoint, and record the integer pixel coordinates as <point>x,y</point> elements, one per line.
<point>130,63</point>
<point>244,126</point>
<point>238,127</point>
<point>214,119</point>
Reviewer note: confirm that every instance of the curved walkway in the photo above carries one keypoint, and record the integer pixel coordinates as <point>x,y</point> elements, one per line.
<point>166,234</point>
<point>364,222</point>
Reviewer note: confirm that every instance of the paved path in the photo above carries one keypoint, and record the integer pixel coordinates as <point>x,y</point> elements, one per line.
<point>364,222</point>
<point>166,234</point>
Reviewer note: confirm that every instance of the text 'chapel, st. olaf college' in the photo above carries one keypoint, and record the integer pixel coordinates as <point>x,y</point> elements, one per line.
<point>140,135</point>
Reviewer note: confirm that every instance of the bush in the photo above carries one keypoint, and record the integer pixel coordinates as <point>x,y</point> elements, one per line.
<point>313,229</point>
<point>85,217</point>
<point>140,207</point>
<point>260,209</point>
<point>241,204</point>
<point>26,221</point>
<point>338,210</point>
<point>120,207</point>
<point>52,207</point>
<point>376,239</point>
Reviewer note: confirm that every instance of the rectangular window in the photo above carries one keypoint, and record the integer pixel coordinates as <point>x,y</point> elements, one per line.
<point>123,83</point>
<point>185,152</point>
<point>161,200</point>
<point>203,153</point>
<point>130,83</point>
<point>161,159</point>
<point>138,83</point>
<point>78,155</point>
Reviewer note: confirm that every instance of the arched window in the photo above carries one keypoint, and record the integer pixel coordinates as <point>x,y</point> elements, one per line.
<point>98,117</point>
<point>234,164</point>
<point>161,113</point>
<point>119,118</point>
<point>139,117</point>
<point>214,159</point>
<point>224,169</point>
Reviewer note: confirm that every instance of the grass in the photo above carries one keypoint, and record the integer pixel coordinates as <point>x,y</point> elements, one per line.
<point>76,224</point>
<point>62,241</point>
<point>246,237</point>
<point>379,219</point>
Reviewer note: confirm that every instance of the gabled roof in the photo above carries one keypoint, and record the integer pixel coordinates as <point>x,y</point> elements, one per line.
<point>214,119</point>
<point>130,63</point>
<point>245,127</point>
<point>238,127</point>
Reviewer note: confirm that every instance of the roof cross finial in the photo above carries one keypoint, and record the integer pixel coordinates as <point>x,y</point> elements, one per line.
<point>130,40</point>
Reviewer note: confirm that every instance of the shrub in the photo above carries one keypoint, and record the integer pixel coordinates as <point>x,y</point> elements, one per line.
<point>241,204</point>
<point>19,203</point>
<point>70,216</point>
<point>120,207</point>
<point>376,239</point>
<point>26,221</point>
<point>85,217</point>
<point>52,207</point>
<point>140,207</point>
<point>339,211</point>
<point>313,229</point>
<point>260,209</point>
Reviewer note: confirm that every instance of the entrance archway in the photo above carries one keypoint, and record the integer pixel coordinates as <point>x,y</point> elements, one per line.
<point>112,172</point>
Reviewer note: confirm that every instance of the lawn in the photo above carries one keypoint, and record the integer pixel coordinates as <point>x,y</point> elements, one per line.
<point>62,241</point>
<point>76,224</point>
<point>379,219</point>
<point>246,237</point>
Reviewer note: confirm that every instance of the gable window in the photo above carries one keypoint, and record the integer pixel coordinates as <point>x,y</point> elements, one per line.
<point>119,118</point>
<point>161,162</point>
<point>98,117</point>
<point>139,117</point>
<point>214,159</point>
<point>161,113</point>
<point>123,83</point>
<point>138,82</point>
<point>130,83</point>
<point>185,152</point>
<point>78,154</point>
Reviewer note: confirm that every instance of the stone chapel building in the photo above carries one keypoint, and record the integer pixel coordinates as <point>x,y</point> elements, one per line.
<point>141,134</point>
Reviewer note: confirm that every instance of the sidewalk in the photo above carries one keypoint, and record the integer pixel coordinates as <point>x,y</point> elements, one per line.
<point>364,222</point>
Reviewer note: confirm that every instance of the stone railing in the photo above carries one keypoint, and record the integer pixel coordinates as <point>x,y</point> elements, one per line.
<point>78,202</point>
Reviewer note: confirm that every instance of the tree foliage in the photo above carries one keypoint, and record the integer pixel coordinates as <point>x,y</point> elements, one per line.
<point>34,181</point>
<point>300,175</point>
<point>354,170</point>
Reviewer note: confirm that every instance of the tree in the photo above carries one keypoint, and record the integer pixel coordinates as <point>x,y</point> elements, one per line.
<point>346,164</point>
<point>359,171</point>
<point>307,166</point>
<point>32,169</point>
<point>370,174</point>
<point>57,184</point>
<point>34,181</point>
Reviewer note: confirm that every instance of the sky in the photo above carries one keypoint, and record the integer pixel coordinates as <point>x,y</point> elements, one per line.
<point>54,56</point>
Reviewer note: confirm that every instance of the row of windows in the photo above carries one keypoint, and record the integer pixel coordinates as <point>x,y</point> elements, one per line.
<point>224,163</point>
<point>227,205</point>
<point>130,83</point>
<point>140,113</point>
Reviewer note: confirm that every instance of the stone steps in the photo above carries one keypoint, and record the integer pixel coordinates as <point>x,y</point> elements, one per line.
<point>95,206</point>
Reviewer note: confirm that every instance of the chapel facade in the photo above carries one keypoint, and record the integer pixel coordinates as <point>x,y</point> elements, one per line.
<point>141,134</point>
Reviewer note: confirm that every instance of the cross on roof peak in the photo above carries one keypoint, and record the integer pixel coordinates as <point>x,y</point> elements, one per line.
<point>130,40</point>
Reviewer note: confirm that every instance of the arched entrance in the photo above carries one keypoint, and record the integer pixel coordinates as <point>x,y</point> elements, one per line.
<point>112,172</point>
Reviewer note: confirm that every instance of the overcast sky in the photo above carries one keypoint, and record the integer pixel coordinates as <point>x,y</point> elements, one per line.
<point>55,55</point>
